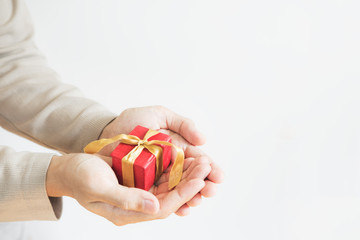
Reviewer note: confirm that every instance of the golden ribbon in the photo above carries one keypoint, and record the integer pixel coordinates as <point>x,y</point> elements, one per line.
<point>153,147</point>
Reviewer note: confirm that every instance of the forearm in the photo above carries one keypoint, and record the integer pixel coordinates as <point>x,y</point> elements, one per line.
<point>34,103</point>
<point>36,106</point>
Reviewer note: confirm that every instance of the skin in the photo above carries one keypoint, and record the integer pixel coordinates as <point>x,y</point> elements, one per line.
<point>91,181</point>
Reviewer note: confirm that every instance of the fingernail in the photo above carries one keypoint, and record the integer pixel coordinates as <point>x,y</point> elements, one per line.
<point>149,206</point>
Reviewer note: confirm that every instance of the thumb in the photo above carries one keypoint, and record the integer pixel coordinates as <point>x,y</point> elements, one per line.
<point>132,199</point>
<point>183,126</point>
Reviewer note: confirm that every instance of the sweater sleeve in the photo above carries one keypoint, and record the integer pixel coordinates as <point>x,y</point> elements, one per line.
<point>34,103</point>
<point>22,187</point>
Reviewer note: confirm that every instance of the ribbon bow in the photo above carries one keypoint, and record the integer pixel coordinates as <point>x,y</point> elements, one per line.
<point>129,159</point>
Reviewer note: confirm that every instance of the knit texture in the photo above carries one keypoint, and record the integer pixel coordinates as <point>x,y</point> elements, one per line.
<point>35,104</point>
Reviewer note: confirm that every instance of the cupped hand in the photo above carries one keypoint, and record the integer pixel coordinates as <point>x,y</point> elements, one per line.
<point>91,181</point>
<point>184,134</point>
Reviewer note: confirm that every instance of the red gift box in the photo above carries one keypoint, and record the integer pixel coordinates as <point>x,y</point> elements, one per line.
<point>145,164</point>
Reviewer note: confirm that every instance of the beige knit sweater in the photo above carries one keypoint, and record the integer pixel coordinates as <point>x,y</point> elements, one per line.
<point>36,105</point>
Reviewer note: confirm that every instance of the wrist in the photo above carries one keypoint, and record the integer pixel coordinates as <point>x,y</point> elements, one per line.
<point>55,178</point>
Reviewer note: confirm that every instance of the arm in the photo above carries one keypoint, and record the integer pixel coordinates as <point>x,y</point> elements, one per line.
<point>66,121</point>
<point>91,181</point>
<point>32,184</point>
<point>36,105</point>
<point>63,119</point>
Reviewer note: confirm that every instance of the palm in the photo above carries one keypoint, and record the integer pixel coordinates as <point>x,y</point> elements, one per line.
<point>94,184</point>
<point>195,170</point>
<point>97,188</point>
<point>184,135</point>
<point>150,117</point>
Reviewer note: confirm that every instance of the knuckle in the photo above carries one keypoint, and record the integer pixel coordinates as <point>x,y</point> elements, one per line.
<point>118,222</point>
<point>132,205</point>
<point>202,160</point>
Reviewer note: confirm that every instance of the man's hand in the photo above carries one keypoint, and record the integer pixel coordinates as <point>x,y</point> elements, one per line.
<point>184,134</point>
<point>91,181</point>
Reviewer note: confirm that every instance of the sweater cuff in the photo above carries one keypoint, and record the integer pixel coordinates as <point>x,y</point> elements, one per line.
<point>92,129</point>
<point>24,195</point>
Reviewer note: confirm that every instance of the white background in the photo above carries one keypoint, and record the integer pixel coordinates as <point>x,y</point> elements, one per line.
<point>273,84</point>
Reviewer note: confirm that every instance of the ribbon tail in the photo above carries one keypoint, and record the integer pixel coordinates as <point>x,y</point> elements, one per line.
<point>177,168</point>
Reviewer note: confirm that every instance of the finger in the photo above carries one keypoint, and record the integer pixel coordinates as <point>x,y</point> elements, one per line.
<point>182,193</point>
<point>199,168</point>
<point>216,175</point>
<point>176,139</point>
<point>209,190</point>
<point>184,126</point>
<point>184,210</point>
<point>165,176</point>
<point>131,199</point>
<point>195,201</point>
<point>194,168</point>
<point>192,151</point>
